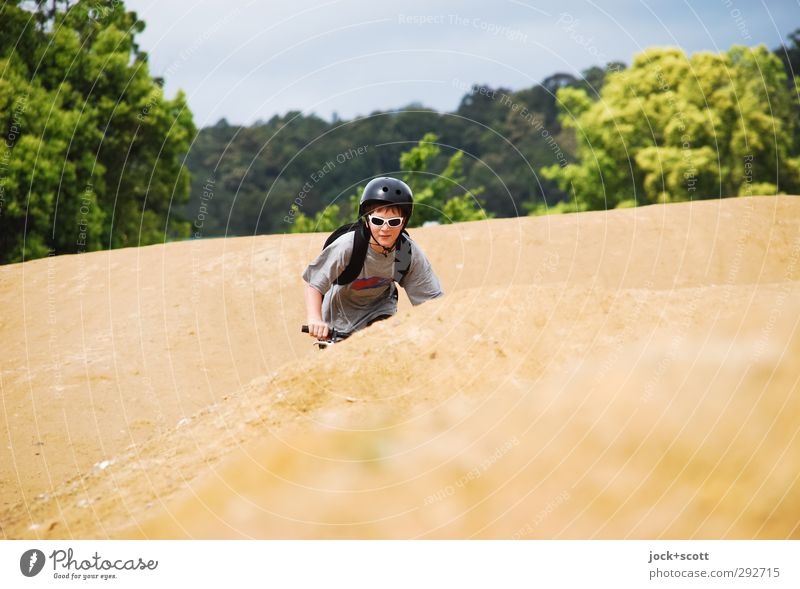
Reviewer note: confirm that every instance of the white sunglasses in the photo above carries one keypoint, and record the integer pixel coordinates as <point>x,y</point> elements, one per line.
<point>393,222</point>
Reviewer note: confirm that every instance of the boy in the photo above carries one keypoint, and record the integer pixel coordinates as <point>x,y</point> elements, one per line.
<point>385,209</point>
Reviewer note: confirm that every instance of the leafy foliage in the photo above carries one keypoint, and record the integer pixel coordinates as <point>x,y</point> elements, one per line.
<point>675,128</point>
<point>93,151</point>
<point>269,173</point>
<point>433,199</point>
<point>326,220</point>
<point>93,159</point>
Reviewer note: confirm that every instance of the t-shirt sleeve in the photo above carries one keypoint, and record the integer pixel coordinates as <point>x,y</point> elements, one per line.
<point>421,283</point>
<point>325,269</point>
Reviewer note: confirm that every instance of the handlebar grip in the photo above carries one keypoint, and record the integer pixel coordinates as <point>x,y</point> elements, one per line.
<point>332,333</point>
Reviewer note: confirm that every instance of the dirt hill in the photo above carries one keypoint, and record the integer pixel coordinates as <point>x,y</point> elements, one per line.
<point>615,374</point>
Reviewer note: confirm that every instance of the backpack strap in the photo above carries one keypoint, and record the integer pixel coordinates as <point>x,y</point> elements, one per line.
<point>402,257</point>
<point>346,228</point>
<point>358,255</point>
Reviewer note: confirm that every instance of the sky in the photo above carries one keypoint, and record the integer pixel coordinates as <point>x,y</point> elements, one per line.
<point>247,60</point>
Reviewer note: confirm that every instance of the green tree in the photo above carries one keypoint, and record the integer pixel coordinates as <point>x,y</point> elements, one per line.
<point>94,159</point>
<point>326,220</point>
<point>435,194</point>
<point>674,128</point>
<point>790,56</point>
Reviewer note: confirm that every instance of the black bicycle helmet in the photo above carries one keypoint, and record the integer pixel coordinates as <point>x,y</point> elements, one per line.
<point>389,191</point>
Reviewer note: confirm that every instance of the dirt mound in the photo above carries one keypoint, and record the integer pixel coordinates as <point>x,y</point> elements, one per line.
<point>617,374</point>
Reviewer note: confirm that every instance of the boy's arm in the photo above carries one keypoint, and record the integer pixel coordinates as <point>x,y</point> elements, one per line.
<point>320,276</point>
<point>421,283</point>
<point>316,326</point>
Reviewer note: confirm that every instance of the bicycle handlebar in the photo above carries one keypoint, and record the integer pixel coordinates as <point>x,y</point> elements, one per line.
<point>333,335</point>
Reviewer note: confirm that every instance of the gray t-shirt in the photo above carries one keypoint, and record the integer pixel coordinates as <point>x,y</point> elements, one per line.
<point>352,306</point>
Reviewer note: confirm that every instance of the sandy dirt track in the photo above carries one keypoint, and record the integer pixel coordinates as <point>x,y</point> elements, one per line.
<point>620,374</point>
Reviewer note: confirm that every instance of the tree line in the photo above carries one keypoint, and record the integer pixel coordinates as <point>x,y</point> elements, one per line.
<point>271,176</point>
<point>95,156</point>
<point>670,127</point>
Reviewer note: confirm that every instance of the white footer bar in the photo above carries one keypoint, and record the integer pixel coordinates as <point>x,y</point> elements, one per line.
<point>401,564</point>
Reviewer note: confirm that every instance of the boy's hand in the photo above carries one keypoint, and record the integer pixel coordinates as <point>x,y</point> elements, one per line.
<point>317,329</point>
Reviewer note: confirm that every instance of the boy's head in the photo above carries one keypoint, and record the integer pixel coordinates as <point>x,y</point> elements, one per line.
<point>386,206</point>
<point>385,191</point>
<point>385,223</point>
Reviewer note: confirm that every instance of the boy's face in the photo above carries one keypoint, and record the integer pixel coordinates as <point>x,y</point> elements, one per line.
<point>385,234</point>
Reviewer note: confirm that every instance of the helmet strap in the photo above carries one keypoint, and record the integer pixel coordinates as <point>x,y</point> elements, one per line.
<point>386,250</point>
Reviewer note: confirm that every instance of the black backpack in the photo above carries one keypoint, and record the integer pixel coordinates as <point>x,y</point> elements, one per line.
<point>402,260</point>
